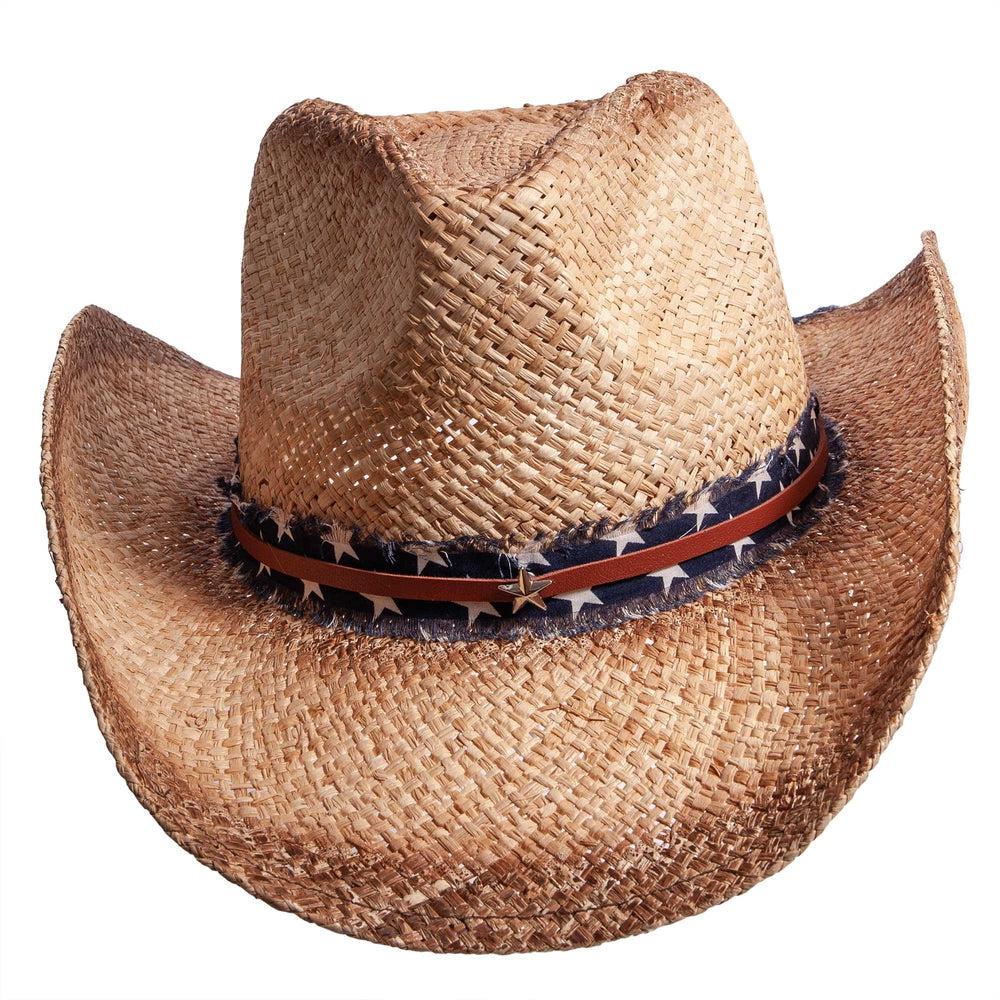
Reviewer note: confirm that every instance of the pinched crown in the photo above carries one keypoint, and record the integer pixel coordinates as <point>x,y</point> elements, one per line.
<point>509,322</point>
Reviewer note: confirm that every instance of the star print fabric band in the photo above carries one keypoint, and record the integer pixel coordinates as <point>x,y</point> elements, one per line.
<point>591,576</point>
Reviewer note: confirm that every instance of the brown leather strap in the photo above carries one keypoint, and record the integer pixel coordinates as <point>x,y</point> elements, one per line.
<point>561,581</point>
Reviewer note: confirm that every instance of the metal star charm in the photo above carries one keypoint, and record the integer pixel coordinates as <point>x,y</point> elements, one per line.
<point>526,590</point>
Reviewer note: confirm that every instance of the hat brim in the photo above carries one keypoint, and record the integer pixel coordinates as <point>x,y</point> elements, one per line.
<point>518,796</point>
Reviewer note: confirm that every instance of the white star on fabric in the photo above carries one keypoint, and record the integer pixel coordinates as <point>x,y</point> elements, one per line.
<point>281,523</point>
<point>701,508</point>
<point>340,545</point>
<point>798,447</point>
<point>477,608</point>
<point>668,576</point>
<point>342,548</point>
<point>623,538</point>
<point>380,604</point>
<point>308,587</point>
<point>530,557</point>
<point>739,546</point>
<point>760,477</point>
<point>425,554</point>
<point>578,598</point>
<point>263,568</point>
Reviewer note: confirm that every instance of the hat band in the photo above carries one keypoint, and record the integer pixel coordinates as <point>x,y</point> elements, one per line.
<point>507,590</point>
<point>589,576</point>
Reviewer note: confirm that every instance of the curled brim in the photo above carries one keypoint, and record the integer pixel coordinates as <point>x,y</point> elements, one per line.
<point>530,794</point>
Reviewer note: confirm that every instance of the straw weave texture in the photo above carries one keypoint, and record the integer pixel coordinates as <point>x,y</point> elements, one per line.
<point>509,322</point>
<point>530,794</point>
<point>484,797</point>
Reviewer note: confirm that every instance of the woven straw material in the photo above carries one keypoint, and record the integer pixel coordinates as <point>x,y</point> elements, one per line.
<point>509,322</point>
<point>516,796</point>
<point>505,323</point>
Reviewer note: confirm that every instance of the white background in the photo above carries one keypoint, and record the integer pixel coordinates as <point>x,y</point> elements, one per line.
<point>128,139</point>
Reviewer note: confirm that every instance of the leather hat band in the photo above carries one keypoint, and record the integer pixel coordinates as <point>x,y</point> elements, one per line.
<point>523,588</point>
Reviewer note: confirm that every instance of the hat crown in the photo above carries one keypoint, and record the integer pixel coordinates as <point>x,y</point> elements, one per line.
<point>509,322</point>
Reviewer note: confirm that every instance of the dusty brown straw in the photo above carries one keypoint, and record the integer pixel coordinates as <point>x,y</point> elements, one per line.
<point>505,321</point>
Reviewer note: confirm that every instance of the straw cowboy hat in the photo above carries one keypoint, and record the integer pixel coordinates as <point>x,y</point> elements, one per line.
<point>541,580</point>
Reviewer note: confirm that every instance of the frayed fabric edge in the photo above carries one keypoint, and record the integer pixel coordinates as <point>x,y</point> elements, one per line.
<point>287,592</point>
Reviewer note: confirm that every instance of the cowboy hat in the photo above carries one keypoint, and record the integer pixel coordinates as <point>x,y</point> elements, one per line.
<point>541,580</point>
